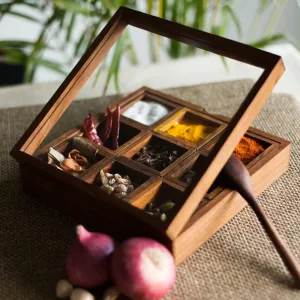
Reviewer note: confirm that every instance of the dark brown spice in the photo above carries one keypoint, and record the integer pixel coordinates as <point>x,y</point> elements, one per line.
<point>156,156</point>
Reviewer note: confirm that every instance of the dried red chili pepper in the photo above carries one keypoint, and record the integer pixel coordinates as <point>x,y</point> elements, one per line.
<point>90,130</point>
<point>105,132</point>
<point>116,127</point>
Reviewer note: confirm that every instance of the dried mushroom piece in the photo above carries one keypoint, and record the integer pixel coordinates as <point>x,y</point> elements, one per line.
<point>78,157</point>
<point>70,165</point>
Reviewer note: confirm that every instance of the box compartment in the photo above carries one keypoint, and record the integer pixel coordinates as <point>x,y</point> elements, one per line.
<point>140,178</point>
<point>149,96</point>
<point>184,115</point>
<point>64,146</point>
<point>157,140</point>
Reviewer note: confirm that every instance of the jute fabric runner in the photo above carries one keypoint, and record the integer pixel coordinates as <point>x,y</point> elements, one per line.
<point>238,262</point>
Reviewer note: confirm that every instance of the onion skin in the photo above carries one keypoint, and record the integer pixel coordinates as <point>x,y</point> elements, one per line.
<point>89,258</point>
<point>143,269</point>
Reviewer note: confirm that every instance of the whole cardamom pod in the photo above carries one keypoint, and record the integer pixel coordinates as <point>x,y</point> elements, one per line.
<point>167,206</point>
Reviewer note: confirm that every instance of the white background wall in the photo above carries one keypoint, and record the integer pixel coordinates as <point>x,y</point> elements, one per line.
<point>14,28</point>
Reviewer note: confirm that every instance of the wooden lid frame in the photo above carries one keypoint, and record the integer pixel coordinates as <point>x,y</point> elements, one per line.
<point>271,64</point>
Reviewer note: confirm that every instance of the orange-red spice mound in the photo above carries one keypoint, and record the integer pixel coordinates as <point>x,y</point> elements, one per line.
<point>248,149</point>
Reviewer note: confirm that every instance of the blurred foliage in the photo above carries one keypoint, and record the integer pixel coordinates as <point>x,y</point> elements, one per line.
<point>60,17</point>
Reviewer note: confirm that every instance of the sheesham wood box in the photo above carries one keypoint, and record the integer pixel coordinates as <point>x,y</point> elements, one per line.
<point>201,208</point>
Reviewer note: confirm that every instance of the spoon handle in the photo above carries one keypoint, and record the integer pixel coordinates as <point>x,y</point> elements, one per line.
<point>281,247</point>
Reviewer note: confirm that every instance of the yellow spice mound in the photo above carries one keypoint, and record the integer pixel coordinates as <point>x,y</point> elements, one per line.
<point>189,131</point>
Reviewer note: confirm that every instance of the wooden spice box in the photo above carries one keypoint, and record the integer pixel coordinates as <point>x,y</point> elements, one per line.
<point>198,211</point>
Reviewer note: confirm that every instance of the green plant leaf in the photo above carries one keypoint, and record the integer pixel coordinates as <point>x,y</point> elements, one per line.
<point>274,18</point>
<point>214,14</point>
<point>89,2</point>
<point>153,54</point>
<point>115,63</point>
<point>175,47</point>
<point>14,56</point>
<point>161,8</point>
<point>108,4</point>
<point>37,49</point>
<point>4,9</point>
<point>54,66</point>
<point>224,61</point>
<point>22,15</point>
<point>131,52</point>
<point>216,30</point>
<point>61,17</point>
<point>199,17</point>
<point>15,44</point>
<point>268,40</point>
<point>116,80</point>
<point>30,65</point>
<point>94,32</point>
<point>80,44</point>
<point>235,19</point>
<point>119,3</point>
<point>184,11</point>
<point>225,21</point>
<point>263,5</point>
<point>100,70</point>
<point>74,7</point>
<point>149,6</point>
<point>19,44</point>
<point>25,3</point>
<point>98,73</point>
<point>175,11</point>
<point>70,27</point>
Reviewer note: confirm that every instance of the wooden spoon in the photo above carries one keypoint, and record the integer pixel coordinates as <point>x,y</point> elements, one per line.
<point>235,175</point>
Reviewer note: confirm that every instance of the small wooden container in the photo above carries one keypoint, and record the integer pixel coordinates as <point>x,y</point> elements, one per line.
<point>198,211</point>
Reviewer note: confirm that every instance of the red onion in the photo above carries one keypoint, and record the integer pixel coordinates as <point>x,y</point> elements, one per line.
<point>143,269</point>
<point>88,260</point>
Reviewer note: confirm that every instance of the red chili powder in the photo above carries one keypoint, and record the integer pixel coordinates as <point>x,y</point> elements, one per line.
<point>248,149</point>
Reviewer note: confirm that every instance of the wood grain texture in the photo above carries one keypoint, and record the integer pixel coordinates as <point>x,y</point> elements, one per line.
<point>90,204</point>
<point>200,39</point>
<point>227,143</point>
<point>106,39</point>
<point>267,140</point>
<point>41,179</point>
<point>226,205</point>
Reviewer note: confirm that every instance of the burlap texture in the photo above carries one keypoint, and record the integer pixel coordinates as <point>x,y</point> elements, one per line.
<point>238,262</point>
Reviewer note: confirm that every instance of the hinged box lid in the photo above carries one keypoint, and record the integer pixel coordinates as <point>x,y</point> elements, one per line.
<point>271,64</point>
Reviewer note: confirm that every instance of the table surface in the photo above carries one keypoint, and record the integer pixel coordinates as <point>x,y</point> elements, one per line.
<point>182,72</point>
<point>238,262</point>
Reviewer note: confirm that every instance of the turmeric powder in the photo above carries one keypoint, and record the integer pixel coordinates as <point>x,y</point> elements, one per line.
<point>189,131</point>
<point>248,149</point>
